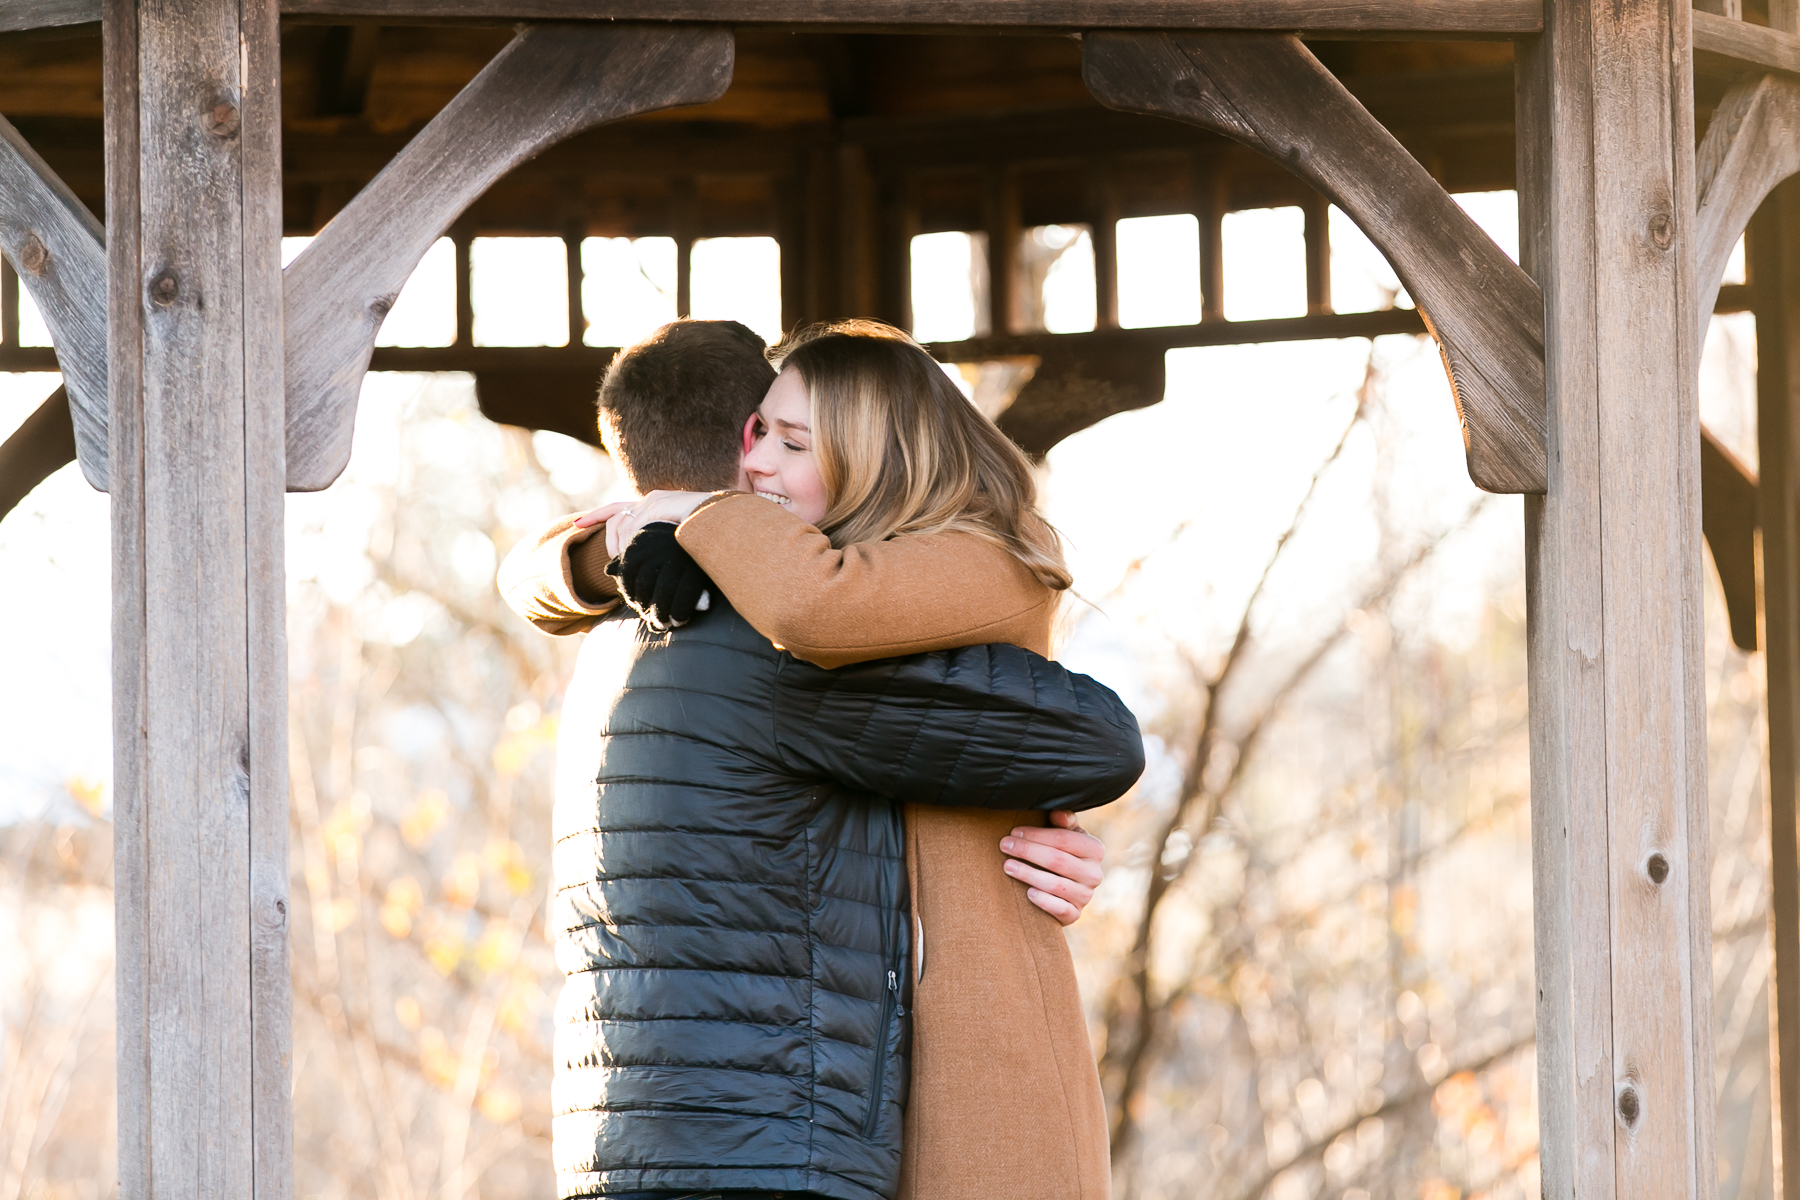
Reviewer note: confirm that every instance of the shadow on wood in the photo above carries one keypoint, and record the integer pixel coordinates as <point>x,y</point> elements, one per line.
<point>1728,516</point>
<point>44,444</point>
<point>559,401</point>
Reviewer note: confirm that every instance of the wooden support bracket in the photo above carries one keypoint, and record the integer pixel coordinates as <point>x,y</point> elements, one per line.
<point>1752,144</point>
<point>1269,92</point>
<point>552,81</point>
<point>59,252</point>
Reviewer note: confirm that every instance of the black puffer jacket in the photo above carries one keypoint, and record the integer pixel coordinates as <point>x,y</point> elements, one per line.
<point>731,890</point>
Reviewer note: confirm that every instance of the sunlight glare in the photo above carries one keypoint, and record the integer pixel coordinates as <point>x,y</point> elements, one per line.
<point>519,289</point>
<point>627,288</point>
<point>738,279</point>
<point>1159,270</point>
<point>949,286</point>
<point>1265,263</point>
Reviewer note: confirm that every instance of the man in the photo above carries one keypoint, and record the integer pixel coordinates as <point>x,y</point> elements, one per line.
<point>729,862</point>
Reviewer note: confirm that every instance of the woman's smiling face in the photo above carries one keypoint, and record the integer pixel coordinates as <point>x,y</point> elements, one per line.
<point>780,463</point>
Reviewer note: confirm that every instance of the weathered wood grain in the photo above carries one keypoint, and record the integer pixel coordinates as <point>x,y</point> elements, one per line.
<point>1571,942</point>
<point>130,638</point>
<point>1752,144</point>
<point>43,14</point>
<point>1480,18</point>
<point>1774,251</point>
<point>550,82</point>
<point>196,415</point>
<point>1614,584</point>
<point>1752,45</point>
<point>59,251</point>
<point>1269,92</point>
<point>265,590</point>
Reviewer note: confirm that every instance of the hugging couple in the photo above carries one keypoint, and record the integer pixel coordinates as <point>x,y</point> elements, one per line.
<point>815,789</point>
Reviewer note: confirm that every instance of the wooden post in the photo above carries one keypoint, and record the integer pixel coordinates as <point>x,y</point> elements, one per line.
<point>1774,249</point>
<point>1210,199</point>
<point>462,240</point>
<point>1318,255</point>
<point>1104,207</point>
<point>199,656</point>
<point>1613,560</point>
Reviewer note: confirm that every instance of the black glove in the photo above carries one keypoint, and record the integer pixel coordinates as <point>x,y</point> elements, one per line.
<point>660,579</point>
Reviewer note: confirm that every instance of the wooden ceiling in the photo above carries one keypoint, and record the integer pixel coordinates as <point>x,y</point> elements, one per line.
<point>930,106</point>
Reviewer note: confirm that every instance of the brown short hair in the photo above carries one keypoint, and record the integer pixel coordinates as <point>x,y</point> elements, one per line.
<point>673,407</point>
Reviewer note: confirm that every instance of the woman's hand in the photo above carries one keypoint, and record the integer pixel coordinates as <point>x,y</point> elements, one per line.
<point>1059,865</point>
<point>628,516</point>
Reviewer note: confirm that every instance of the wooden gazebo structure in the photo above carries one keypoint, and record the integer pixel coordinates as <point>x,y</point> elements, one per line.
<point>203,380</point>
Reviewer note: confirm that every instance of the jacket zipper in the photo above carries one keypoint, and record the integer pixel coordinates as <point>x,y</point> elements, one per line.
<point>889,1002</point>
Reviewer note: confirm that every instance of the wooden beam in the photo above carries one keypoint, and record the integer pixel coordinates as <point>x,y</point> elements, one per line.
<point>18,15</point>
<point>1774,250</point>
<point>1752,144</point>
<point>199,658</point>
<point>1613,581</point>
<point>58,250</point>
<point>1469,18</point>
<point>1728,519</point>
<point>38,448</point>
<point>1269,92</point>
<point>1751,45</point>
<point>550,82</point>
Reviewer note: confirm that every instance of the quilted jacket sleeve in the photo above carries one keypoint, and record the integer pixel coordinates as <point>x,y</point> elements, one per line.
<point>988,726</point>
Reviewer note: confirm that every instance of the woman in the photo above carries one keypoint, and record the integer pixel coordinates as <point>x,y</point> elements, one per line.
<point>903,520</point>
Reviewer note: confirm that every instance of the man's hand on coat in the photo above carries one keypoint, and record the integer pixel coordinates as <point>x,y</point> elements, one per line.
<point>1059,865</point>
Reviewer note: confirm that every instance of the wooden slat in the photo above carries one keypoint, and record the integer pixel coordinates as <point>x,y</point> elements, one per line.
<point>1620,851</point>
<point>58,250</point>
<point>1752,144</point>
<point>130,637</point>
<point>1752,45</point>
<point>196,406</point>
<point>16,15</point>
<point>1478,18</point>
<point>550,82</point>
<point>265,592</point>
<point>1774,251</point>
<point>1269,92</point>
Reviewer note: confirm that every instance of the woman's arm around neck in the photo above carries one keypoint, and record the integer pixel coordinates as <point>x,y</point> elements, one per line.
<point>872,600</point>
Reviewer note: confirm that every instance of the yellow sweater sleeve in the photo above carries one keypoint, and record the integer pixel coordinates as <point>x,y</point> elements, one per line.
<point>873,600</point>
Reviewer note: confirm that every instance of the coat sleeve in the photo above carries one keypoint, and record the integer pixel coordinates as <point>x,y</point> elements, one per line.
<point>989,726</point>
<point>553,580</point>
<point>918,592</point>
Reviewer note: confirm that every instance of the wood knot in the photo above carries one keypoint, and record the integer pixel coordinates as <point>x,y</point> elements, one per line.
<point>223,121</point>
<point>381,306</point>
<point>33,257</point>
<point>1630,1109</point>
<point>1657,867</point>
<point>165,288</point>
<point>1662,231</point>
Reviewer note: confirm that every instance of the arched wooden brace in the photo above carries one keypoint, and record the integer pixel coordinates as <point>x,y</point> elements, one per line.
<point>552,81</point>
<point>1269,92</point>
<point>1752,144</point>
<point>59,251</point>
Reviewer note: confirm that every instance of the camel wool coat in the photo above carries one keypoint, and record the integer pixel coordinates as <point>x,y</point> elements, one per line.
<point>1005,1101</point>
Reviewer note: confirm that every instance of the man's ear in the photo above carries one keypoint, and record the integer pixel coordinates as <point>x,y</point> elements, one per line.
<point>749,432</point>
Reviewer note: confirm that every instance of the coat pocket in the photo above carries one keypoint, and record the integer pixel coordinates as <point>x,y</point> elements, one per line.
<point>890,1009</point>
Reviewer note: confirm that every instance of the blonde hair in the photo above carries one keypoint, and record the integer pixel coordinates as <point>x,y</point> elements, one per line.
<point>902,450</point>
